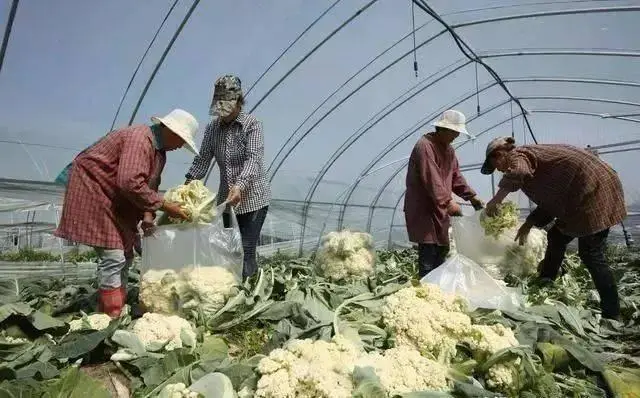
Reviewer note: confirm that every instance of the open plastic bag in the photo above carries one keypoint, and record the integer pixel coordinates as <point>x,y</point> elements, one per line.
<point>191,269</point>
<point>462,276</point>
<point>498,256</point>
<point>179,246</point>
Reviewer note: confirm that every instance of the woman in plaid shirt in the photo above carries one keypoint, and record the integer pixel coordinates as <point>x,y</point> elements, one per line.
<point>234,138</point>
<point>572,187</point>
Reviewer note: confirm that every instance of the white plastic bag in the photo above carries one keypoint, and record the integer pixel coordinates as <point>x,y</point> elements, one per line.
<point>179,246</point>
<point>461,276</point>
<point>500,256</point>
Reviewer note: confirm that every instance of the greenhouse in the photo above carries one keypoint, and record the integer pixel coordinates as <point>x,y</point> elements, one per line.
<point>343,91</point>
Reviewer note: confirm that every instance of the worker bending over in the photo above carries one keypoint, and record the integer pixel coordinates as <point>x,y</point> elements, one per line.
<point>575,188</point>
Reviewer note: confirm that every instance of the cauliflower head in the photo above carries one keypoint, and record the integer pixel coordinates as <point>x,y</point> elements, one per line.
<point>91,322</point>
<point>403,370</point>
<point>196,200</point>
<point>434,323</point>
<point>308,369</point>
<point>506,218</point>
<point>177,390</point>
<point>156,330</point>
<point>160,291</point>
<point>523,260</point>
<point>427,320</point>
<point>205,288</point>
<point>346,255</point>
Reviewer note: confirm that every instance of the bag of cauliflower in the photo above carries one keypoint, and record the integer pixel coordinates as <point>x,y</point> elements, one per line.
<point>191,266</point>
<point>498,255</point>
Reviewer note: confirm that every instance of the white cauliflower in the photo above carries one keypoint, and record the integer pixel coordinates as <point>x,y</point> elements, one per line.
<point>346,255</point>
<point>402,370</point>
<point>433,323</point>
<point>196,200</point>
<point>506,218</point>
<point>91,322</point>
<point>160,291</point>
<point>177,390</point>
<point>523,260</point>
<point>156,330</point>
<point>308,369</point>
<point>208,288</point>
<point>205,288</point>
<point>502,377</point>
<point>426,319</point>
<point>485,340</point>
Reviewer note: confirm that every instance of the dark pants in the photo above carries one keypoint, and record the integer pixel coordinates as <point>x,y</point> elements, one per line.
<point>591,251</point>
<point>250,226</point>
<point>430,257</point>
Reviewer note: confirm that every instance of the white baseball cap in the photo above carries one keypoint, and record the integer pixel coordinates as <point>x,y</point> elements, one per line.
<point>183,124</point>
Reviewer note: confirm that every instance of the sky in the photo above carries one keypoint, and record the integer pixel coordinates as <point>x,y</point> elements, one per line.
<point>68,63</point>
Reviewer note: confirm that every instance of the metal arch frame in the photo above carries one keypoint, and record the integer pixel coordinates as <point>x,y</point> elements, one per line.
<point>454,67</point>
<point>427,41</point>
<point>408,133</point>
<point>374,59</point>
<point>385,185</point>
<point>526,79</point>
<point>592,114</point>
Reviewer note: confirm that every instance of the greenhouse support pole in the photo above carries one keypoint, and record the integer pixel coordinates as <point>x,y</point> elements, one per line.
<point>7,31</point>
<point>162,58</point>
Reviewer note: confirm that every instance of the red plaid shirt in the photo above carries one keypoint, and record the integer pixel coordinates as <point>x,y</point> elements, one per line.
<point>433,175</point>
<point>569,184</point>
<point>109,191</point>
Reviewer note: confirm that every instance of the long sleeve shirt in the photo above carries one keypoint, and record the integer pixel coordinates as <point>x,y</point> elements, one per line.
<point>433,175</point>
<point>238,148</point>
<point>569,184</point>
<point>109,189</point>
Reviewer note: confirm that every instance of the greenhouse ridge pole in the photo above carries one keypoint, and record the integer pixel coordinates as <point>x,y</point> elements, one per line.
<point>144,55</point>
<point>273,171</point>
<point>162,58</point>
<point>335,3</point>
<point>307,55</point>
<point>7,31</point>
<point>474,57</point>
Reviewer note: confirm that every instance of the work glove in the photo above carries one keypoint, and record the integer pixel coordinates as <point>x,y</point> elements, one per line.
<point>476,203</point>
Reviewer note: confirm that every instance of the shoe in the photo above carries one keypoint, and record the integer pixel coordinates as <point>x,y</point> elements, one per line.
<point>111,301</point>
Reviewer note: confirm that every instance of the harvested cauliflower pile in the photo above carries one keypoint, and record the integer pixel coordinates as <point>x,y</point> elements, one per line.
<point>197,201</point>
<point>346,255</point>
<point>309,369</point>
<point>434,323</point>
<point>506,218</point>
<point>195,287</point>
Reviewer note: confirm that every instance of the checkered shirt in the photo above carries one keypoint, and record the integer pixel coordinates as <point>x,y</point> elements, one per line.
<point>108,189</point>
<point>569,184</point>
<point>239,151</point>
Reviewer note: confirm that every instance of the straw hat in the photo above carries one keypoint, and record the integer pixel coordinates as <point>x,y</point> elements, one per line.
<point>453,120</point>
<point>183,124</point>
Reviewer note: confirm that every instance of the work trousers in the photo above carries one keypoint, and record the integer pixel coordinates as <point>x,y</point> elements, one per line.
<point>591,251</point>
<point>430,257</point>
<point>113,267</point>
<point>250,225</point>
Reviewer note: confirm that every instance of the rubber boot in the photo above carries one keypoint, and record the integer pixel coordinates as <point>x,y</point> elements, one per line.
<point>111,301</point>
